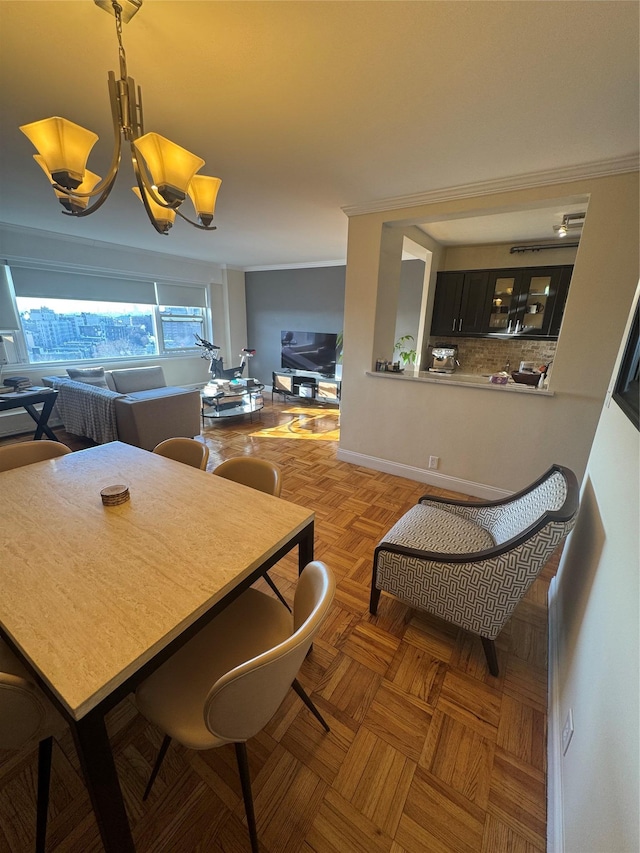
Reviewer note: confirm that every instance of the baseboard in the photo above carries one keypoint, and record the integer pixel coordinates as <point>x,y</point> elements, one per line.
<point>431,478</point>
<point>555,813</point>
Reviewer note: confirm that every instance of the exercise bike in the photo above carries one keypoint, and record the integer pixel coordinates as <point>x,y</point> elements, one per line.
<point>216,364</point>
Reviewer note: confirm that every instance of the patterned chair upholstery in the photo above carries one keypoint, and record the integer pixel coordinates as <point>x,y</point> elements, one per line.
<point>472,563</point>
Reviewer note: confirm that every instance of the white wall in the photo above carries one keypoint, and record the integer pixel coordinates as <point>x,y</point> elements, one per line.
<point>595,658</point>
<point>488,439</point>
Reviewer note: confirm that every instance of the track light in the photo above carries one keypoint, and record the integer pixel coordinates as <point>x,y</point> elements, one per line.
<point>568,223</point>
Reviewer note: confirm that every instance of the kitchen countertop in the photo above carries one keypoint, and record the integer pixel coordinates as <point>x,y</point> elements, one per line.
<point>477,380</point>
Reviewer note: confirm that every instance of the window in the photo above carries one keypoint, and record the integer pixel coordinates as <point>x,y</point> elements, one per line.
<point>71,330</point>
<point>179,325</point>
<point>71,317</point>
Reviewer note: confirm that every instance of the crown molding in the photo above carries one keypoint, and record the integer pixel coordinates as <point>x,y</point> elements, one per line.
<point>565,174</point>
<point>301,266</point>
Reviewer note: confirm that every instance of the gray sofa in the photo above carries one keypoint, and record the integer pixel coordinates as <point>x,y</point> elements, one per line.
<point>133,405</point>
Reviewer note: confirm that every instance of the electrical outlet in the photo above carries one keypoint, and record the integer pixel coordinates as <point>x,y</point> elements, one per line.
<point>434,461</point>
<point>567,732</point>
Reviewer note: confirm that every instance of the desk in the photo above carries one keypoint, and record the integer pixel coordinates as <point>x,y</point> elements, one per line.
<point>94,598</point>
<point>26,400</point>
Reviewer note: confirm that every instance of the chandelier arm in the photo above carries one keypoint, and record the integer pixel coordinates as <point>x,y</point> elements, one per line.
<point>143,192</point>
<point>196,224</point>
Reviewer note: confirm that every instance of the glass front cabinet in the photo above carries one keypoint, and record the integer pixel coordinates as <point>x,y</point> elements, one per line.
<point>528,302</point>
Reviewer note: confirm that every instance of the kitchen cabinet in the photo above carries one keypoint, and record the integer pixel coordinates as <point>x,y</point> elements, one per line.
<point>460,305</point>
<point>526,302</point>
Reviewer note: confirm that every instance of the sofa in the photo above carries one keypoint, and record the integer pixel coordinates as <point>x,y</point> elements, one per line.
<point>134,405</point>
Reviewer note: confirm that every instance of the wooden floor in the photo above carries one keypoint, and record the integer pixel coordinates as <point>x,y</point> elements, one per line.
<point>427,751</point>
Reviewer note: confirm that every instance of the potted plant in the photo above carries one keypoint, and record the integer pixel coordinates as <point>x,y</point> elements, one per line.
<point>406,354</point>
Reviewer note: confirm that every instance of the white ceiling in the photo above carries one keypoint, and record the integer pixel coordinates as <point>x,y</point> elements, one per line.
<point>303,108</point>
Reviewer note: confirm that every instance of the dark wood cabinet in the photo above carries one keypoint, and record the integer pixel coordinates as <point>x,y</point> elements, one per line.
<point>460,304</point>
<point>526,302</point>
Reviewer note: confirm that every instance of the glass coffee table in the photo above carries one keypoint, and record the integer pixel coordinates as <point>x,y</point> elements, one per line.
<point>231,399</point>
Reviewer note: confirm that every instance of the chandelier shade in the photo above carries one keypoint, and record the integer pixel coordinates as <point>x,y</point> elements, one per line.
<point>67,201</point>
<point>165,172</point>
<point>203,192</point>
<point>164,216</point>
<point>170,167</point>
<point>64,146</point>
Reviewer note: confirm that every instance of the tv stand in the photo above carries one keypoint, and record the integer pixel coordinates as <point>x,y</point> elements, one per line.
<point>305,385</point>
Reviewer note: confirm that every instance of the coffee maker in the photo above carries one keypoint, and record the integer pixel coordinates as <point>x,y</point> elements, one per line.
<point>443,358</point>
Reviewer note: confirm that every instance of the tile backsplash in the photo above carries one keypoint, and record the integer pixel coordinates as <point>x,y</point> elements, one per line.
<point>484,355</point>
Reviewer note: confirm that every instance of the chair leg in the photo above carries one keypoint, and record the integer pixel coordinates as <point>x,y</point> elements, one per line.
<point>374,599</point>
<point>44,777</point>
<point>156,767</point>
<point>276,590</point>
<point>489,647</point>
<point>302,693</point>
<point>245,781</point>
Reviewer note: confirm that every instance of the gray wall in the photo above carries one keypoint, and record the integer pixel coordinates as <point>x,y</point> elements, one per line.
<point>310,299</point>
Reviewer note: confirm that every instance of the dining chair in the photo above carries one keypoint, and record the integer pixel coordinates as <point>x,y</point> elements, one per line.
<point>26,718</point>
<point>26,452</point>
<point>471,563</point>
<point>187,450</point>
<point>226,683</point>
<point>259,474</point>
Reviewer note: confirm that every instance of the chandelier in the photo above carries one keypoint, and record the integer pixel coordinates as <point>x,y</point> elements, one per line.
<point>165,173</point>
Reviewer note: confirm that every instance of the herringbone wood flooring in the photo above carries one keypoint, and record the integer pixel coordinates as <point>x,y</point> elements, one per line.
<point>427,751</point>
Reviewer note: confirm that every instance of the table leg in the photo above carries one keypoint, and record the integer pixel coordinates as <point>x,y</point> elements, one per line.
<point>98,766</point>
<point>305,548</point>
<point>42,418</point>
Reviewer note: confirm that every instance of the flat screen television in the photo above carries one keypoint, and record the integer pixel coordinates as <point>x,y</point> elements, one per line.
<point>311,351</point>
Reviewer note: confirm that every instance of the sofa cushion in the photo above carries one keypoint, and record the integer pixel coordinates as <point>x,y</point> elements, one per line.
<point>89,375</point>
<point>152,393</point>
<point>138,379</point>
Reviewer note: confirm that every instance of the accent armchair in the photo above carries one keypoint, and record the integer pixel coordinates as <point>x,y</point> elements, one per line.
<point>472,563</point>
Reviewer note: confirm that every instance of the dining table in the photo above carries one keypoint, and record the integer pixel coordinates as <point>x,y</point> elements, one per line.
<point>95,597</point>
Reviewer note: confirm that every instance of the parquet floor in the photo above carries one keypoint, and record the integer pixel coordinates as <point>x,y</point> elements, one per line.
<point>427,751</point>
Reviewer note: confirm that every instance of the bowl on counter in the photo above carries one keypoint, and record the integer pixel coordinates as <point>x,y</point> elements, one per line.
<point>525,378</point>
<point>499,378</point>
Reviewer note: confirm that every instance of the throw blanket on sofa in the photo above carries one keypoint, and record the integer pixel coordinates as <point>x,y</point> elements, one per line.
<point>87,410</point>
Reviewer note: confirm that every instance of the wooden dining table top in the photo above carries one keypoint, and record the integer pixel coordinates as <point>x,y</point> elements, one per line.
<point>90,593</point>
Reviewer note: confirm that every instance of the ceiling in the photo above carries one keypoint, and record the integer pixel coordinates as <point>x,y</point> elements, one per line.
<point>304,108</point>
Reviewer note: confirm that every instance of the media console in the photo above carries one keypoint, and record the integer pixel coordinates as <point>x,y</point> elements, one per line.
<point>305,385</point>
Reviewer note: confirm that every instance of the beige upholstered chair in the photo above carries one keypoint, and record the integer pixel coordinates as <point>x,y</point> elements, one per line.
<point>26,452</point>
<point>188,450</point>
<point>27,718</point>
<point>250,471</point>
<point>226,683</point>
<point>258,474</point>
<point>472,563</point>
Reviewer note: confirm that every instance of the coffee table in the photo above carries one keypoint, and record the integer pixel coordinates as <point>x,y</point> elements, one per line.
<point>219,401</point>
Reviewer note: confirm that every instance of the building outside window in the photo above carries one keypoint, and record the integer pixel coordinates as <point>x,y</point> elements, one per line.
<point>72,317</point>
